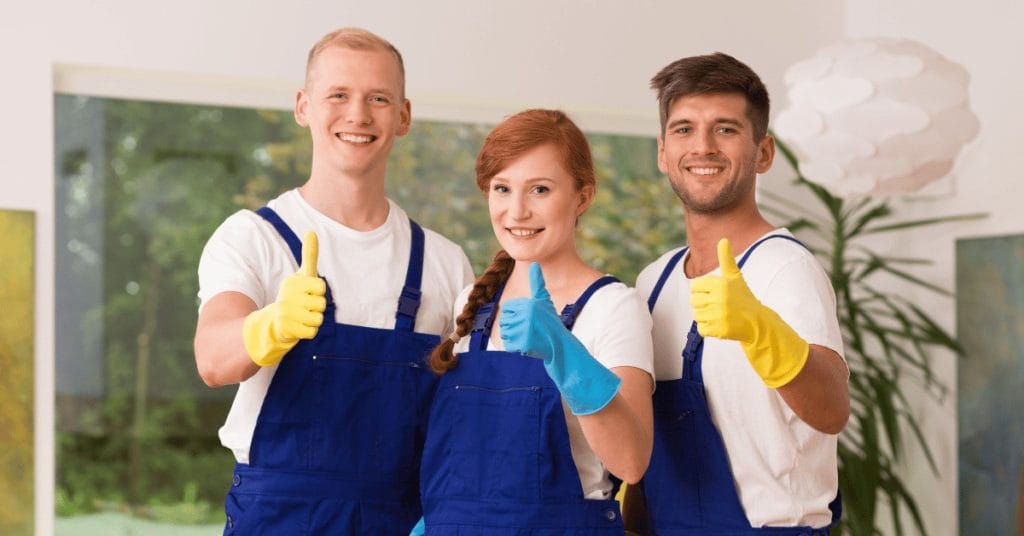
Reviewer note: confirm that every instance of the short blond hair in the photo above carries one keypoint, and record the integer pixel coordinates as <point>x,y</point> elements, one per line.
<point>355,39</point>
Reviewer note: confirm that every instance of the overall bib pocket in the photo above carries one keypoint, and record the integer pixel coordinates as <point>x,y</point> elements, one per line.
<point>496,440</point>
<point>371,423</point>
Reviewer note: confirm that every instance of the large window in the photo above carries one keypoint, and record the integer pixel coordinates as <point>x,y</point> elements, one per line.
<point>140,187</point>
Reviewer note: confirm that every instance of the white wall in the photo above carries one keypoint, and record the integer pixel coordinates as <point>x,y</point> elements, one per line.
<point>984,37</point>
<point>479,60</point>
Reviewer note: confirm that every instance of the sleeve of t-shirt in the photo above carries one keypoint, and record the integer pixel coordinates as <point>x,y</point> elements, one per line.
<point>234,259</point>
<point>801,293</point>
<point>622,333</point>
<point>467,272</point>
<point>645,281</point>
<point>651,273</point>
<point>460,303</point>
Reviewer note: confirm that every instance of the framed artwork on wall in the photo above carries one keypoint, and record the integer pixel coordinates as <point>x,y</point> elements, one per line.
<point>17,292</point>
<point>990,325</point>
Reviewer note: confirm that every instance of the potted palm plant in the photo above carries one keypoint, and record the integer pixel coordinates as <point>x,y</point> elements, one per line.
<point>889,340</point>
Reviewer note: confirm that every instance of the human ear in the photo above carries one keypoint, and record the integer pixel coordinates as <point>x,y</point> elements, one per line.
<point>765,153</point>
<point>301,104</point>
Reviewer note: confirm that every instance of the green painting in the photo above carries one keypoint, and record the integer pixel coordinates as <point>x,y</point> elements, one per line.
<point>16,365</point>
<point>990,312</point>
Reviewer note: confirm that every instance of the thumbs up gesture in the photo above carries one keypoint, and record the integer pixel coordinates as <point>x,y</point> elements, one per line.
<point>523,321</point>
<point>531,326</point>
<point>269,333</point>
<point>724,308</point>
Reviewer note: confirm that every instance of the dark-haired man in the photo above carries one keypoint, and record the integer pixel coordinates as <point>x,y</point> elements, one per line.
<point>752,384</point>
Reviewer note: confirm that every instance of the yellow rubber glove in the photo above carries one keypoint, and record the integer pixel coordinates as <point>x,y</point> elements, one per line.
<point>724,308</point>
<point>269,333</point>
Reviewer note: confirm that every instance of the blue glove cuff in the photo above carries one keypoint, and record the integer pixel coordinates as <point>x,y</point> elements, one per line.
<point>589,387</point>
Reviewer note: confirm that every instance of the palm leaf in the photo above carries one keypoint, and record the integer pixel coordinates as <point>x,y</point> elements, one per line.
<point>921,223</point>
<point>889,340</point>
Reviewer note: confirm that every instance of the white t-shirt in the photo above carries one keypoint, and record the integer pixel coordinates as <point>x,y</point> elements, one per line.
<point>615,328</point>
<point>785,471</point>
<point>365,270</point>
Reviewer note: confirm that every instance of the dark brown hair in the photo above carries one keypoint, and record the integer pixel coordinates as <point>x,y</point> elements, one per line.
<point>709,74</point>
<point>511,139</point>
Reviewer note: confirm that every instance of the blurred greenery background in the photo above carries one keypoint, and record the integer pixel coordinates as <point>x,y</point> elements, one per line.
<point>140,188</point>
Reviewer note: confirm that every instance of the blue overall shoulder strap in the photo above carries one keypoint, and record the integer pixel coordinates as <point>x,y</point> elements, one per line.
<point>572,310</point>
<point>653,299</point>
<point>409,300</point>
<point>743,259</point>
<point>483,321</point>
<point>692,354</point>
<point>295,245</point>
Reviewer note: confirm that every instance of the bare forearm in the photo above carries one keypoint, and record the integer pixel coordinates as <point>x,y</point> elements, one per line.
<point>220,352</point>
<point>819,394</point>
<point>621,434</point>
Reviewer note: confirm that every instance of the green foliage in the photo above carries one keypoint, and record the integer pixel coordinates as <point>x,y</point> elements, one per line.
<point>889,340</point>
<point>635,217</point>
<point>431,175</point>
<point>142,187</point>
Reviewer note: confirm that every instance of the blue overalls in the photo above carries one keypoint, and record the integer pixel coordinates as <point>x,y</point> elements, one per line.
<point>689,485</point>
<point>497,459</point>
<point>337,445</point>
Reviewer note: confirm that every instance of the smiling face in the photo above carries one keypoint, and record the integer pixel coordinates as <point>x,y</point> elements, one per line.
<point>354,108</point>
<point>709,153</point>
<point>534,203</point>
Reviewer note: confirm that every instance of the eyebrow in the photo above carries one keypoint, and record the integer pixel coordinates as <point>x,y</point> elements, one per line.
<point>382,91</point>
<point>528,180</point>
<point>718,121</point>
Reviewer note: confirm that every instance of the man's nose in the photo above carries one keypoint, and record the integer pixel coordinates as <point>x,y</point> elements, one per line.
<point>358,113</point>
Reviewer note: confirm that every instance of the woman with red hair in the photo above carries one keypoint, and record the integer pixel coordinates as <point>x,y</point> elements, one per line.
<point>538,415</point>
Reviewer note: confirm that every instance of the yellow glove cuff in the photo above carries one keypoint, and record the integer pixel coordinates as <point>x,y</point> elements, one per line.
<point>777,352</point>
<point>263,347</point>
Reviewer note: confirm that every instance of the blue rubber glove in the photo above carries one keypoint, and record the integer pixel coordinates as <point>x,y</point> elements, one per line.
<point>419,529</point>
<point>531,326</point>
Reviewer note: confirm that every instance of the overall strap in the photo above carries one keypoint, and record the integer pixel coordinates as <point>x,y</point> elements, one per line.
<point>743,259</point>
<point>653,299</point>
<point>572,310</point>
<point>693,350</point>
<point>409,299</point>
<point>295,245</point>
<point>286,232</point>
<point>664,277</point>
<point>483,321</point>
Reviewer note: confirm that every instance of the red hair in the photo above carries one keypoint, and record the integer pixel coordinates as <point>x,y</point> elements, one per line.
<point>511,139</point>
<point>524,131</point>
